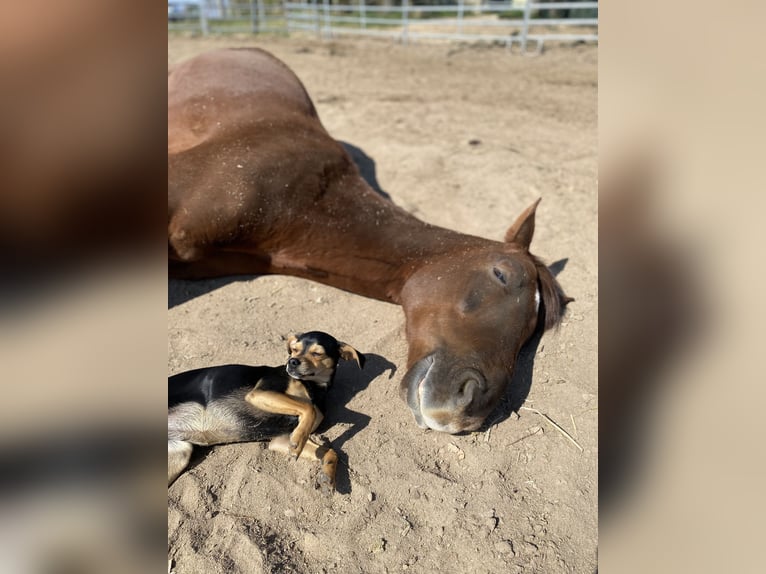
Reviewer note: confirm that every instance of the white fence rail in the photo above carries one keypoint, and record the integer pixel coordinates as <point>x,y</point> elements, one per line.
<point>513,22</point>
<point>226,16</point>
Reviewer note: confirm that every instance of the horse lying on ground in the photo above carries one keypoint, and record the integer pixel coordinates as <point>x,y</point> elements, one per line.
<point>256,185</point>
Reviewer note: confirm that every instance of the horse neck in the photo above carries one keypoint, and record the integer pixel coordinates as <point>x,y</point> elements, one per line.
<point>360,242</point>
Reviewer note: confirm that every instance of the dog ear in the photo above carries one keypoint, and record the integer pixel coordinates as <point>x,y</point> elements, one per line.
<point>290,340</point>
<point>348,352</point>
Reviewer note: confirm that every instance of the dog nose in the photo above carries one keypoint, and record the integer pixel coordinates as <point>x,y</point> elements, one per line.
<point>293,362</point>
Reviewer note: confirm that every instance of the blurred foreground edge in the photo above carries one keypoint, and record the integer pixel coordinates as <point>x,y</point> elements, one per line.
<point>82,285</point>
<point>649,309</point>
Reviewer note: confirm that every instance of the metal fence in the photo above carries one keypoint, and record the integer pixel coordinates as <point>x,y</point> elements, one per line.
<point>523,23</point>
<point>226,16</point>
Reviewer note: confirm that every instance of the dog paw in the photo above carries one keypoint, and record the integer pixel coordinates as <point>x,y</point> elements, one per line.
<point>326,484</point>
<point>295,450</point>
<point>296,443</point>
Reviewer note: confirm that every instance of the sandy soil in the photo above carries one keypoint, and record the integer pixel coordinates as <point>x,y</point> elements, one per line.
<point>464,137</point>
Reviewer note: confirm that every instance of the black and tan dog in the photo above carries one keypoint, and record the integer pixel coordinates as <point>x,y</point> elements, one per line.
<point>239,403</point>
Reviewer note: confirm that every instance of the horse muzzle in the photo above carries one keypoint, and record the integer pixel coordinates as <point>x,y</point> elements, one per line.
<point>443,398</point>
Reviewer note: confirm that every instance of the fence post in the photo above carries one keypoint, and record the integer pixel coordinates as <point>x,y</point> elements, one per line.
<point>363,14</point>
<point>316,18</point>
<point>525,27</point>
<point>262,16</point>
<point>326,32</point>
<point>460,9</point>
<point>405,21</point>
<point>253,18</point>
<point>203,18</point>
<point>286,13</point>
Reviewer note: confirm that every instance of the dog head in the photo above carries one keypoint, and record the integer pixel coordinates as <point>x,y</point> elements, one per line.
<point>314,356</point>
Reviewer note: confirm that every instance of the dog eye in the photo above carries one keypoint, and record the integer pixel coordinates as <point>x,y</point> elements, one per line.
<point>500,275</point>
<point>316,354</point>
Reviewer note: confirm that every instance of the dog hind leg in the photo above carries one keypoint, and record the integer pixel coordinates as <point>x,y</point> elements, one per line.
<point>179,454</point>
<point>312,451</point>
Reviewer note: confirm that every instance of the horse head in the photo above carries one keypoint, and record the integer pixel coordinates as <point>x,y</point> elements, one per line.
<point>468,314</point>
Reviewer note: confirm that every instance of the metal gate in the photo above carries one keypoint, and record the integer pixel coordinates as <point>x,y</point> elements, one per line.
<point>522,23</point>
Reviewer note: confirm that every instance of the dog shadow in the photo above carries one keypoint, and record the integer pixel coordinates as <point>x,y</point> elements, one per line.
<point>349,381</point>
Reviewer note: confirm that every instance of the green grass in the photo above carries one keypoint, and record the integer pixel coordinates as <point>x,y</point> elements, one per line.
<point>511,15</point>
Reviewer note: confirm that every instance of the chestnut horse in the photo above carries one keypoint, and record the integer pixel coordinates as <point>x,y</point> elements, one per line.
<point>256,185</point>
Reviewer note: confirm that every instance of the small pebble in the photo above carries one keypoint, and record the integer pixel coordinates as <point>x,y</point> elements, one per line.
<point>505,547</point>
<point>491,523</point>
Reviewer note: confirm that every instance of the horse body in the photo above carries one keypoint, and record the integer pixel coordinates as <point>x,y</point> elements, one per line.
<point>256,185</point>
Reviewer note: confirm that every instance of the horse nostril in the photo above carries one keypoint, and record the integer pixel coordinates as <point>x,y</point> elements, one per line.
<point>467,391</point>
<point>293,362</point>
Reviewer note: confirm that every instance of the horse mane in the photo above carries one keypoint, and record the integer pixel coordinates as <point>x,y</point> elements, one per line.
<point>553,299</point>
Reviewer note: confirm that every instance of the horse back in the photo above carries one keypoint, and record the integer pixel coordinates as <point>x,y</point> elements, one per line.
<point>229,89</point>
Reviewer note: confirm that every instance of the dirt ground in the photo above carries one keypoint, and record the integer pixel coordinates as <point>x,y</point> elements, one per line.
<point>465,137</point>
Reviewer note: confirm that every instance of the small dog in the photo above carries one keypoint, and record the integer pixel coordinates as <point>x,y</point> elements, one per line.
<point>240,403</point>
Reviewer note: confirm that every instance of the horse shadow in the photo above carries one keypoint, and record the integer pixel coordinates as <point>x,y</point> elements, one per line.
<point>366,166</point>
<point>183,290</point>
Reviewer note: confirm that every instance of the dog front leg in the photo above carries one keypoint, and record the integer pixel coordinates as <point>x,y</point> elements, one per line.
<point>278,403</point>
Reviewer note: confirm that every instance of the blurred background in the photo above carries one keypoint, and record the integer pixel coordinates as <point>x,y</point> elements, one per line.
<point>681,202</point>
<point>525,26</point>
<point>83,286</point>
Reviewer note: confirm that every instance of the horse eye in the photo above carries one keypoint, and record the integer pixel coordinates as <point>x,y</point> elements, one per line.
<point>500,275</point>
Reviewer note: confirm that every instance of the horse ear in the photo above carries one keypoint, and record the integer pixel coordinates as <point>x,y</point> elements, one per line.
<point>523,228</point>
<point>349,353</point>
